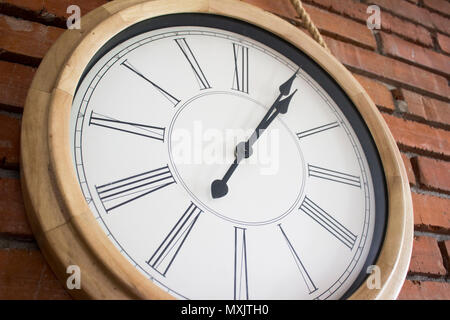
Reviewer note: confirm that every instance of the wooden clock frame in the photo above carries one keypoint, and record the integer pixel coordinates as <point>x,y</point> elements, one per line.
<point>61,220</point>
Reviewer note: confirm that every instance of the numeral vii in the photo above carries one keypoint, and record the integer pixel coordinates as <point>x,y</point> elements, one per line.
<point>118,193</point>
<point>190,57</point>
<point>328,223</point>
<point>167,251</point>
<point>240,78</point>
<point>305,275</point>
<point>139,129</point>
<point>240,265</point>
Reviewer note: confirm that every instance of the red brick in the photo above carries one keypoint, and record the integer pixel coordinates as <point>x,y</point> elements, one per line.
<point>53,8</point>
<point>444,42</point>
<point>388,69</point>
<point>344,28</point>
<point>425,290</point>
<point>328,23</point>
<point>409,169</point>
<point>15,80</point>
<point>349,8</point>
<point>442,6</point>
<point>441,23</point>
<point>25,275</point>
<point>13,220</point>
<point>398,48</point>
<point>417,137</point>
<point>445,249</point>
<point>407,10</point>
<point>426,257</point>
<point>406,29</point>
<point>434,174</point>
<point>431,213</point>
<point>379,92</point>
<point>9,141</point>
<point>59,7</point>
<point>421,107</point>
<point>25,38</point>
<point>390,23</point>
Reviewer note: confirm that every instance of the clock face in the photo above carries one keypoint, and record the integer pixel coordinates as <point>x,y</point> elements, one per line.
<point>224,164</point>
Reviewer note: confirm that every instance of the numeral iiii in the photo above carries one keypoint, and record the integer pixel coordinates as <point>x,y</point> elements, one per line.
<point>328,223</point>
<point>240,78</point>
<point>118,193</point>
<point>190,57</point>
<point>167,251</point>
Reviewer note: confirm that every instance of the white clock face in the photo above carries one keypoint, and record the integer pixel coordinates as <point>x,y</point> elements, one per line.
<point>158,118</point>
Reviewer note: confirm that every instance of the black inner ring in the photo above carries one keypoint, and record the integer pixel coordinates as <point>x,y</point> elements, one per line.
<point>309,66</point>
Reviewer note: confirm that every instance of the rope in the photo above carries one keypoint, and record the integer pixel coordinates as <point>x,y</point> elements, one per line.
<point>312,29</point>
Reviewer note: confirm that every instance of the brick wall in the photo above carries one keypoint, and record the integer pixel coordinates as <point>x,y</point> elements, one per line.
<point>404,67</point>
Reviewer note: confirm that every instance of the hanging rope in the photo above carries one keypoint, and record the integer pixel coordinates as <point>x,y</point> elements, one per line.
<point>312,29</point>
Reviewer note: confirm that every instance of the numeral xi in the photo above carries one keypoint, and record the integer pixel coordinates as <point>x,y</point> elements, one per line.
<point>192,60</point>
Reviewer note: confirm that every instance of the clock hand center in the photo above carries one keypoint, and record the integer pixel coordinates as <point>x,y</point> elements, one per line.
<point>244,150</point>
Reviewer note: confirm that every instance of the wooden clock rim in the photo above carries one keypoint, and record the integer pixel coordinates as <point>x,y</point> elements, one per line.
<point>62,222</point>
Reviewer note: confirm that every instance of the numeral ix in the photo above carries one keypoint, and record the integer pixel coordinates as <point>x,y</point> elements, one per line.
<point>118,193</point>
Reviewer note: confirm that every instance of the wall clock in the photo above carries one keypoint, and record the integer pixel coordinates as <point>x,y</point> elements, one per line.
<point>210,150</point>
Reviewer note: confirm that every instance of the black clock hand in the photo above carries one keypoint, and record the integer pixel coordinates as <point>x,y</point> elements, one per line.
<point>243,150</point>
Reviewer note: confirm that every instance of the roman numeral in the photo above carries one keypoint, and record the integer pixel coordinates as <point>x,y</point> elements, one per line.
<point>190,57</point>
<point>165,94</point>
<point>118,193</point>
<point>240,78</point>
<point>336,176</point>
<point>168,250</point>
<point>309,132</point>
<point>305,275</point>
<point>240,265</point>
<point>328,223</point>
<point>138,129</point>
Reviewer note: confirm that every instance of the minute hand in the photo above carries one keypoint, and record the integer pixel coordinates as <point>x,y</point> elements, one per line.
<point>243,150</point>
<point>277,108</point>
